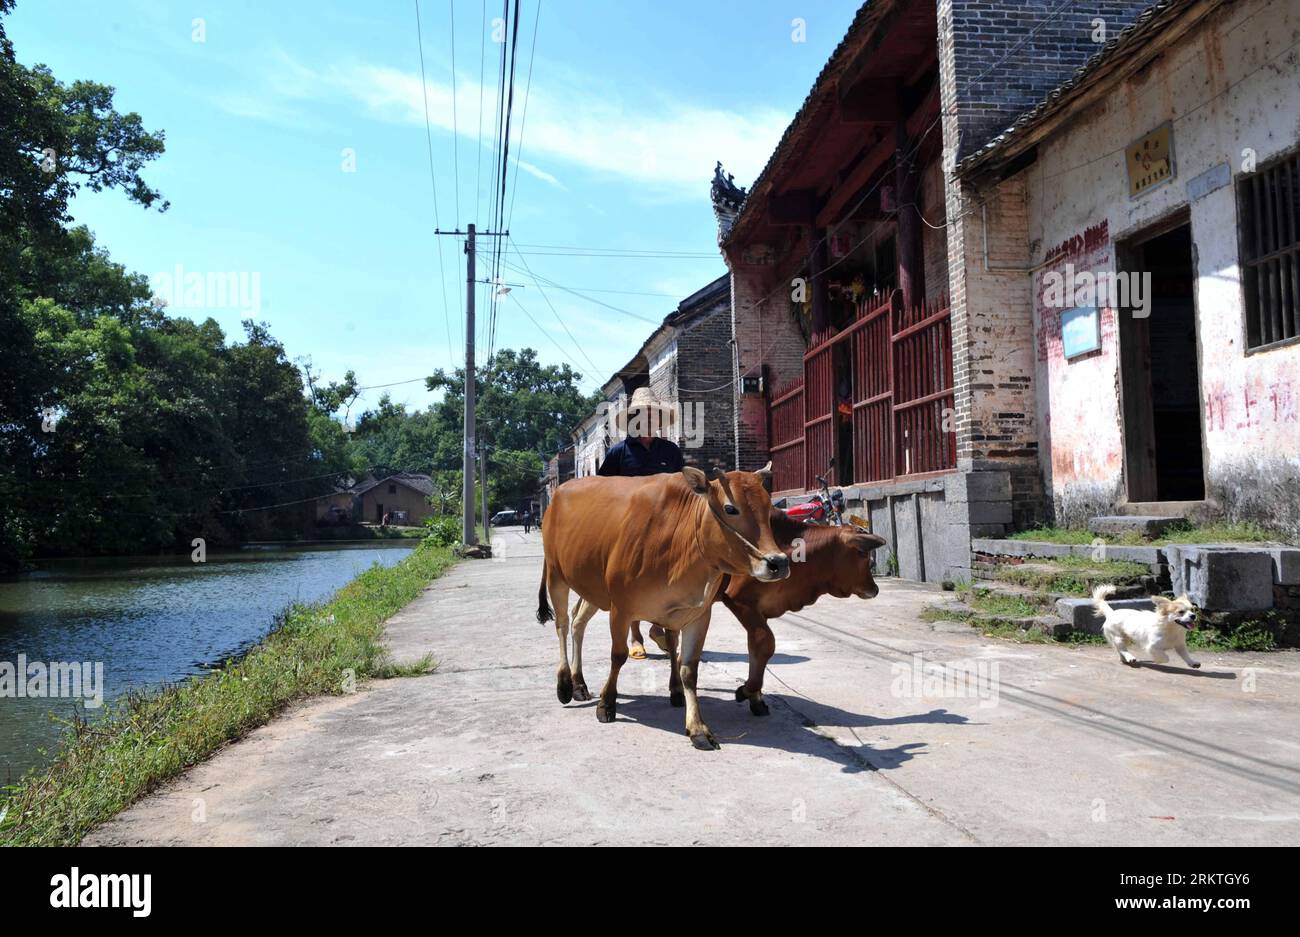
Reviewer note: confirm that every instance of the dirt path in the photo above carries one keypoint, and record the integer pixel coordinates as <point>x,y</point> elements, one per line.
<point>1043,744</point>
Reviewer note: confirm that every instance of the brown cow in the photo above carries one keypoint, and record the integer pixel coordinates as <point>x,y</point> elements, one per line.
<point>826,561</point>
<point>835,561</point>
<point>653,548</point>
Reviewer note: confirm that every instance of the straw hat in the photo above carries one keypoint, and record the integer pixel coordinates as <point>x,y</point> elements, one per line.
<point>644,400</point>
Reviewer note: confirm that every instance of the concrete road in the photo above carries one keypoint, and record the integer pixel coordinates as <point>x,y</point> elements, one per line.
<point>884,729</point>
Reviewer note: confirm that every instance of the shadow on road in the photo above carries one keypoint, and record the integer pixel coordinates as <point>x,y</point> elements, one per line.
<point>1186,671</point>
<point>733,724</point>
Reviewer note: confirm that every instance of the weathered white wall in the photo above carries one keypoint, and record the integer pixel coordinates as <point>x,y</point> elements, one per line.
<point>1230,85</point>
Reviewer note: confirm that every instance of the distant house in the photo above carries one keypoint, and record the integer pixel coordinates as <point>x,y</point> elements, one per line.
<point>404,496</point>
<point>405,491</point>
<point>559,469</point>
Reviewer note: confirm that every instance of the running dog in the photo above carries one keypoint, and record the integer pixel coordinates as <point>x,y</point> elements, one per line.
<point>1153,634</point>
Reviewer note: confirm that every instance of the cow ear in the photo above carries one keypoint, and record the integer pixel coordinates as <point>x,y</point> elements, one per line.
<point>867,542</point>
<point>698,481</point>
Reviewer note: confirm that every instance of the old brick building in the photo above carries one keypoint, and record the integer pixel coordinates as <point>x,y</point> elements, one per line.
<point>1172,161</point>
<point>687,363</point>
<point>877,321</point>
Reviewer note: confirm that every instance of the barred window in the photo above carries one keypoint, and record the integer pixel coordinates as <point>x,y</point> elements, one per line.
<point>1270,251</point>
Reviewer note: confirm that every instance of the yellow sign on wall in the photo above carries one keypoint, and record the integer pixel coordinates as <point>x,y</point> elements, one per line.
<point>1151,160</point>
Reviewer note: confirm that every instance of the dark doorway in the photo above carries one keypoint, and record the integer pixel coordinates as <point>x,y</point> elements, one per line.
<point>1160,373</point>
<point>844,472</point>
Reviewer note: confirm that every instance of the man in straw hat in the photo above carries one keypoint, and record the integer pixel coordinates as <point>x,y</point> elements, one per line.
<point>644,451</point>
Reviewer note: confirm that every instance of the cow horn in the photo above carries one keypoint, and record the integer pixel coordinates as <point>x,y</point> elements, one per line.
<point>766,469</point>
<point>721,477</point>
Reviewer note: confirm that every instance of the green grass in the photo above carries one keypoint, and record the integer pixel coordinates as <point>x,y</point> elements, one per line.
<point>1002,605</point>
<point>995,617</point>
<point>1201,533</point>
<point>1251,635</point>
<point>1070,575</point>
<point>104,766</point>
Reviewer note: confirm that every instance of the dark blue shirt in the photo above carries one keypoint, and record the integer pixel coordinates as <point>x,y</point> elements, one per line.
<point>629,457</point>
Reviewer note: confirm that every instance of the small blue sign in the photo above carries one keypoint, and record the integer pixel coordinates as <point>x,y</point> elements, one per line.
<point>1080,331</point>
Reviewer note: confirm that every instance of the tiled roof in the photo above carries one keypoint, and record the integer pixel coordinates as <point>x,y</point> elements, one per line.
<point>833,64</point>
<point>421,483</point>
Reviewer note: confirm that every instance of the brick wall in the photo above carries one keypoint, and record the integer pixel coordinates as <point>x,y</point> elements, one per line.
<point>768,342</point>
<point>704,387</point>
<point>992,312</point>
<point>1006,57</point>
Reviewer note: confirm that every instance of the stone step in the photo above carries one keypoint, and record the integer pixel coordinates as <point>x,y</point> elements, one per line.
<point>1145,525</point>
<point>1149,555</point>
<point>1179,509</point>
<point>1079,615</point>
<point>1012,590</point>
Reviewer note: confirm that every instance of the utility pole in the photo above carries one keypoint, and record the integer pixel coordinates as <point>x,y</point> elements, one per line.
<point>482,468</point>
<point>467,463</point>
<point>468,468</point>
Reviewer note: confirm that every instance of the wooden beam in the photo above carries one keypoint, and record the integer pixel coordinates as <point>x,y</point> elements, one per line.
<point>857,177</point>
<point>869,101</point>
<point>796,207</point>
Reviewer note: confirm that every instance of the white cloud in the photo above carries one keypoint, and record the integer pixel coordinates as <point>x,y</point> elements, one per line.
<point>659,141</point>
<point>542,174</point>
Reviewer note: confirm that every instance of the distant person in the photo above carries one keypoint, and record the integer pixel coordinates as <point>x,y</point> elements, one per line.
<point>528,520</point>
<point>644,452</point>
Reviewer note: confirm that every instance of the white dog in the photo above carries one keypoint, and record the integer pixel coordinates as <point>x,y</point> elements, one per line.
<point>1153,634</point>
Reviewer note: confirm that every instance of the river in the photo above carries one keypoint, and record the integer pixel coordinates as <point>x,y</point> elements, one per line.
<point>149,622</point>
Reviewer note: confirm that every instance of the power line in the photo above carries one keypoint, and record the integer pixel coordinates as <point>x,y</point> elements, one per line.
<point>478,152</point>
<point>620,250</point>
<point>505,171</point>
<point>560,320</point>
<point>551,283</point>
<point>455,127</point>
<point>570,361</point>
<point>523,119</point>
<point>433,181</point>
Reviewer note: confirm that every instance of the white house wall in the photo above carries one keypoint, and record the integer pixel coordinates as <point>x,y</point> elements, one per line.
<point>1230,86</point>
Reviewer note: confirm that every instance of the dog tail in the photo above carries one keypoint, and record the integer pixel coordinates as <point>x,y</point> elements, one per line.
<point>1099,596</point>
<point>543,603</point>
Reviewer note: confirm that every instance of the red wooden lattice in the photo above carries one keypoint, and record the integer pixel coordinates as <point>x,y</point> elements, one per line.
<point>901,396</point>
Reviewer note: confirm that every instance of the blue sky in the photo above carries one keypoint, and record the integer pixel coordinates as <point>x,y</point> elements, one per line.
<point>628,107</point>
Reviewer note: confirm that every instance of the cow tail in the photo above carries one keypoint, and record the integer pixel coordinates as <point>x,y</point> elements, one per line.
<point>544,613</point>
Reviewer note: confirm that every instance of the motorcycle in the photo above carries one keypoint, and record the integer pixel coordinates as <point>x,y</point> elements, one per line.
<point>825,507</point>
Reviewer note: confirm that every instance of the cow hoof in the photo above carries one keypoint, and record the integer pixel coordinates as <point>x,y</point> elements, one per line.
<point>677,699</point>
<point>606,713</point>
<point>741,694</point>
<point>758,707</point>
<point>564,688</point>
<point>705,741</point>
<point>580,692</point>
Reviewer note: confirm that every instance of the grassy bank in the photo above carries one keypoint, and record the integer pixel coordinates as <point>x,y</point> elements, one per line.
<point>105,766</point>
